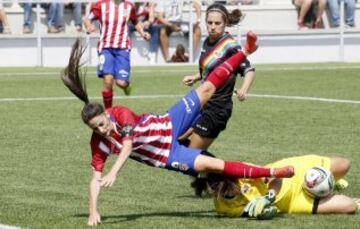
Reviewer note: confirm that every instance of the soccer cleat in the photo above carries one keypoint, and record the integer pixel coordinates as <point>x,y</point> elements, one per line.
<point>284,172</point>
<point>250,43</point>
<point>127,90</point>
<point>341,185</point>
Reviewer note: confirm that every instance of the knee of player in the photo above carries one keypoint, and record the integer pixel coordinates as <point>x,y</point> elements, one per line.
<point>122,83</point>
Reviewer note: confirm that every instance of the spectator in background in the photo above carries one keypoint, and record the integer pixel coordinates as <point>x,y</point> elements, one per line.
<point>169,13</point>
<point>53,17</point>
<point>28,25</point>
<point>180,54</point>
<point>145,13</point>
<point>5,26</point>
<point>334,8</point>
<point>304,6</point>
<point>228,2</point>
<point>77,15</point>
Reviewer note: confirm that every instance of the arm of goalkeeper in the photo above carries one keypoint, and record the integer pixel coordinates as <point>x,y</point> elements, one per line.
<point>261,207</point>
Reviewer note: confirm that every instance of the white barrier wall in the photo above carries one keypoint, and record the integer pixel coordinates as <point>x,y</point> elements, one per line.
<point>273,20</point>
<point>286,48</point>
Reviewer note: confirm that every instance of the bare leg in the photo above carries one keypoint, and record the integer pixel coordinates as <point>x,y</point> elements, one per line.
<point>205,91</point>
<point>208,164</point>
<point>5,22</point>
<point>164,43</point>
<point>199,142</point>
<point>304,8</point>
<point>186,135</point>
<point>108,82</point>
<point>321,9</point>
<point>337,204</point>
<point>122,84</point>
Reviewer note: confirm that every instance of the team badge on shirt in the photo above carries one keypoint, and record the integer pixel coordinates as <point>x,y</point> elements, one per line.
<point>245,188</point>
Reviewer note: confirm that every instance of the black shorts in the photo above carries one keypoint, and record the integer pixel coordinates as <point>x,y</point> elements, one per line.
<point>212,122</point>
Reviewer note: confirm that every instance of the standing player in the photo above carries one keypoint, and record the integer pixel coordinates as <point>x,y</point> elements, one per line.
<point>247,197</point>
<point>217,48</point>
<point>152,139</point>
<point>114,45</point>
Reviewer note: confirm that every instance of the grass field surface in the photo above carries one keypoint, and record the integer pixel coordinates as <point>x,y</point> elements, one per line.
<point>45,155</point>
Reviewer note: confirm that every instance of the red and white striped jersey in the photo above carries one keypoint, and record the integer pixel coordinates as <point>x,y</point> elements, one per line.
<point>151,135</point>
<point>113,19</point>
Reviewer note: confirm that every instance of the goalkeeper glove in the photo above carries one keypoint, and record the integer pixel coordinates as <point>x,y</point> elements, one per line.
<point>268,213</point>
<point>256,206</point>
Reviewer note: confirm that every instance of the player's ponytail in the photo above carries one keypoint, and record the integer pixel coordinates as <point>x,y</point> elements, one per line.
<point>234,17</point>
<point>230,19</point>
<point>73,76</point>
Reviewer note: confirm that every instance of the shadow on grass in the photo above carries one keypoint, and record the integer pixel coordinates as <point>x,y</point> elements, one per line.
<point>131,217</point>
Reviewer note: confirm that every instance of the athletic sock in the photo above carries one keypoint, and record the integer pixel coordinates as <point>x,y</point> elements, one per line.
<point>107,98</point>
<point>243,170</point>
<point>221,73</point>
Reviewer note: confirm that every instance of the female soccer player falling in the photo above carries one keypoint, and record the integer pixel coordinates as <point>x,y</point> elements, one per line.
<point>153,139</point>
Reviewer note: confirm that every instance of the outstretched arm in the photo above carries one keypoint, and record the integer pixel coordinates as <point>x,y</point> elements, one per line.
<point>94,190</point>
<point>109,179</point>
<point>245,87</point>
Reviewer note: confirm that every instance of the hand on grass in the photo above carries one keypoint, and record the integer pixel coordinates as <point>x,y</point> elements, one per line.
<point>94,219</point>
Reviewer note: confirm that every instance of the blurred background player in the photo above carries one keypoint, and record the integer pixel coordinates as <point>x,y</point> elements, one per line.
<point>232,197</point>
<point>153,139</point>
<point>114,45</point>
<point>217,48</point>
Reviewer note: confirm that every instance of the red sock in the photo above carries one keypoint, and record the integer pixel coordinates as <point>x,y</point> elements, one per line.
<point>242,170</point>
<point>107,98</point>
<point>221,73</point>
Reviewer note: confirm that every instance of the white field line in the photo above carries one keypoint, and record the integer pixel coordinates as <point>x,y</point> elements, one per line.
<point>166,71</point>
<point>3,226</point>
<point>317,99</point>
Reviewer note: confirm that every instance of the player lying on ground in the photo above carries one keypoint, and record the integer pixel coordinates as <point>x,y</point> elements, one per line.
<point>264,198</point>
<point>153,139</point>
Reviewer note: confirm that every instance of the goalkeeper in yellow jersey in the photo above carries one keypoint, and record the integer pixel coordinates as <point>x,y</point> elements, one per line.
<point>264,198</point>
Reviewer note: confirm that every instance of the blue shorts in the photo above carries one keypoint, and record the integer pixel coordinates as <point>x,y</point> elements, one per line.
<point>182,115</point>
<point>115,62</point>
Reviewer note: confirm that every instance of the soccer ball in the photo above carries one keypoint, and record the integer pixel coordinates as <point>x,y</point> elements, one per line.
<point>319,182</point>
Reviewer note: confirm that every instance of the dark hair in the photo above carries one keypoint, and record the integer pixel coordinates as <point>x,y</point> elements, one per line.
<point>73,76</point>
<point>216,184</point>
<point>230,19</point>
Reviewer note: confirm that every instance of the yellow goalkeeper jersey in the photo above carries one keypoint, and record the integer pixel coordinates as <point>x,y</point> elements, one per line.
<point>291,197</point>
